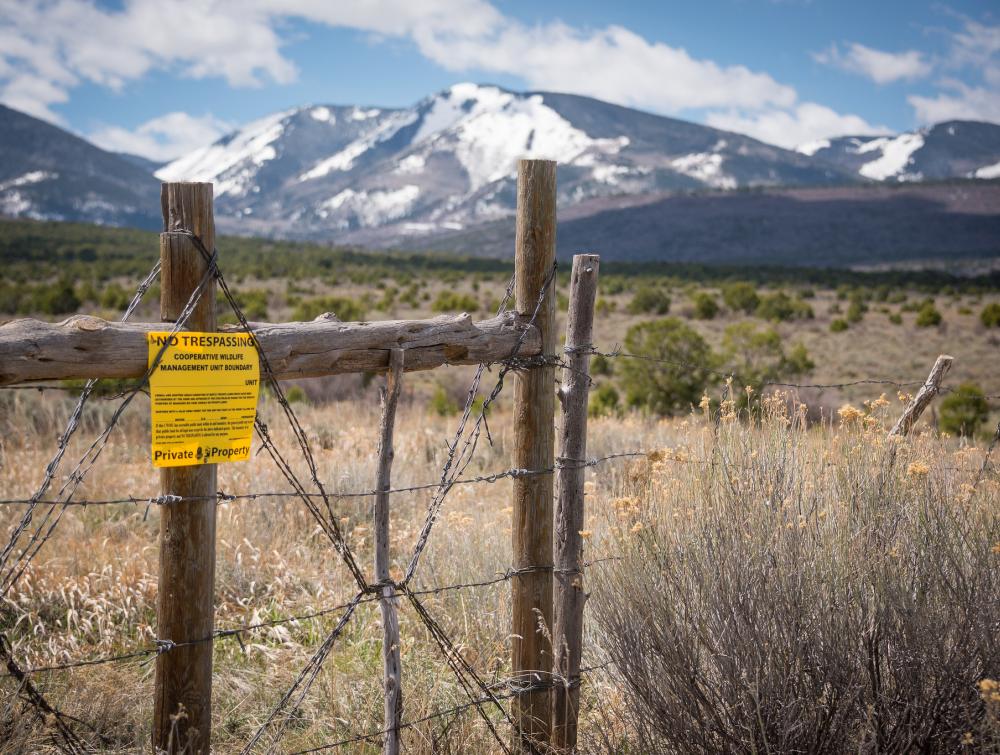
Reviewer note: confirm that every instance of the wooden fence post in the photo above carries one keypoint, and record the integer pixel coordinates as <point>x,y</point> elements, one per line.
<point>930,388</point>
<point>182,717</point>
<point>534,412</point>
<point>392,675</point>
<point>567,635</point>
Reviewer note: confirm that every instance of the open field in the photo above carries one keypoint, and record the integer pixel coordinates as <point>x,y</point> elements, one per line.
<point>779,579</point>
<point>827,503</point>
<point>281,281</point>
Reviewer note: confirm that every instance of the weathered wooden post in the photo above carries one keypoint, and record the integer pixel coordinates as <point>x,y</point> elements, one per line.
<point>567,634</point>
<point>182,716</point>
<point>392,671</point>
<point>534,410</point>
<point>927,392</point>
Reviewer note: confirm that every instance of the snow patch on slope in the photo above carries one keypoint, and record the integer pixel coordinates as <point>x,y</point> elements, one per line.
<point>705,167</point>
<point>988,171</point>
<point>411,164</point>
<point>323,115</point>
<point>359,114</point>
<point>32,177</point>
<point>488,129</point>
<point>345,158</point>
<point>371,208</point>
<point>896,152</point>
<point>811,148</point>
<point>232,162</point>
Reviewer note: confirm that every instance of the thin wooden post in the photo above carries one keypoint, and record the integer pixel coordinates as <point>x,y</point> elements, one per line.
<point>182,716</point>
<point>567,635</point>
<point>392,667</point>
<point>534,410</point>
<point>927,392</point>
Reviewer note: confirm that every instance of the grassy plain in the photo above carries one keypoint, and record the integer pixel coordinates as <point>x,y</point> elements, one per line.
<point>827,504</point>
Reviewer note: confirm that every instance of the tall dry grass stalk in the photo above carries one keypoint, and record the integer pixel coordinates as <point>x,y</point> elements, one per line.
<point>812,591</point>
<point>763,591</point>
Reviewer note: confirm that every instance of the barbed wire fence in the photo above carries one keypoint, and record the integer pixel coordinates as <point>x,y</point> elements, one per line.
<point>43,514</point>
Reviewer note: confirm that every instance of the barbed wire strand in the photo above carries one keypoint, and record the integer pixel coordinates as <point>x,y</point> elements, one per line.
<point>36,699</point>
<point>472,439</point>
<point>91,455</point>
<point>536,686</point>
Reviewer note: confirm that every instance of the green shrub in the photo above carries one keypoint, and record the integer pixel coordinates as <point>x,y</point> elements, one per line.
<point>839,325</point>
<point>452,301</point>
<point>990,316</point>
<point>895,318</point>
<point>649,300</point>
<point>604,401</point>
<point>295,395</point>
<point>780,307</point>
<point>671,385</point>
<point>856,311</point>
<point>253,302</point>
<point>964,411</point>
<point>57,299</point>
<point>755,356</point>
<point>928,316</point>
<point>442,404</point>
<point>600,365</point>
<point>604,306</point>
<point>87,292</point>
<point>705,306</point>
<point>347,309</point>
<point>740,297</point>
<point>114,297</point>
<point>12,298</point>
<point>388,299</point>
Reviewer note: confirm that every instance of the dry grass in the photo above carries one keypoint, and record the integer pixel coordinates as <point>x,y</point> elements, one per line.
<point>810,590</point>
<point>91,591</point>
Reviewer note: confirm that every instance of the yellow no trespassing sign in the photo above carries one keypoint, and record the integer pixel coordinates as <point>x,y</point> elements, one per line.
<point>203,397</point>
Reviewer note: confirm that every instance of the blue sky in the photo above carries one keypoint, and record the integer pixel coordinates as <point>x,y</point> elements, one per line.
<point>161,77</point>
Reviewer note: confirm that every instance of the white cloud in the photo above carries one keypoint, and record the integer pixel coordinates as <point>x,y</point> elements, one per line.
<point>55,45</point>
<point>975,50</point>
<point>613,64</point>
<point>163,138</point>
<point>804,123</point>
<point>49,47</point>
<point>879,66</point>
<point>959,102</point>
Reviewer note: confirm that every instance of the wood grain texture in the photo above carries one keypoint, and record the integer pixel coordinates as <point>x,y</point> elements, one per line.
<point>182,711</point>
<point>391,663</point>
<point>534,448</point>
<point>567,633</point>
<point>927,392</point>
<point>89,347</point>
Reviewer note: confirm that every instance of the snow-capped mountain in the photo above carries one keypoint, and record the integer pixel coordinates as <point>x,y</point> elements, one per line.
<point>48,173</point>
<point>954,149</point>
<point>450,161</point>
<point>445,167</point>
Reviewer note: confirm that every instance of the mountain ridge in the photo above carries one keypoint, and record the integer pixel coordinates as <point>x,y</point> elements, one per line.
<point>326,171</point>
<point>48,173</point>
<point>444,169</point>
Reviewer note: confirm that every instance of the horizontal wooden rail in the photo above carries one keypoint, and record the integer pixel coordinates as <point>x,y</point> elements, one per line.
<point>89,347</point>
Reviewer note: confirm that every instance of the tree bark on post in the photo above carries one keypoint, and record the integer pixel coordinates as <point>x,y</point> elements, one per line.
<point>392,666</point>
<point>927,392</point>
<point>534,411</point>
<point>182,716</point>
<point>567,635</point>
